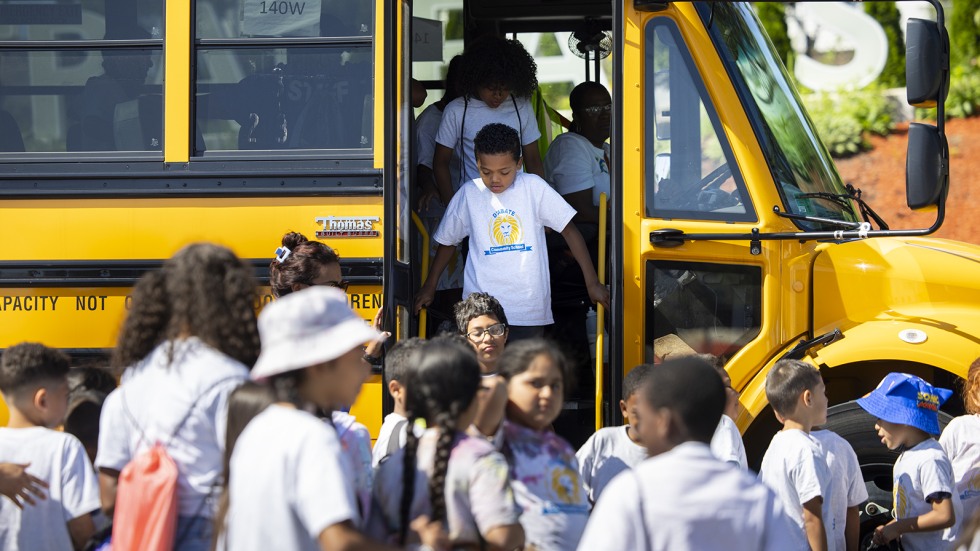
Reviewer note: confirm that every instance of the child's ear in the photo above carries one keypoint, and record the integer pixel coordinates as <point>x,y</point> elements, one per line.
<point>622,409</point>
<point>394,387</point>
<point>807,398</point>
<point>41,398</point>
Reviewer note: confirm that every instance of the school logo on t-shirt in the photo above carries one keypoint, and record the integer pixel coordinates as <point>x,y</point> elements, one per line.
<point>506,233</point>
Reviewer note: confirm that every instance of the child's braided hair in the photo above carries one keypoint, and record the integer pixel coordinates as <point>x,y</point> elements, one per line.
<point>441,387</point>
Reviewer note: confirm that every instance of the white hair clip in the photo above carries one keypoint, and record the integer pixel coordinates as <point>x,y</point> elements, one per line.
<point>282,253</point>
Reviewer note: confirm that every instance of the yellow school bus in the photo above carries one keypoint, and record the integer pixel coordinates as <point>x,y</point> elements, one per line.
<point>730,230</point>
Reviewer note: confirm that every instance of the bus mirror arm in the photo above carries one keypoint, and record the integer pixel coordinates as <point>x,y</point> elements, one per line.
<point>669,237</point>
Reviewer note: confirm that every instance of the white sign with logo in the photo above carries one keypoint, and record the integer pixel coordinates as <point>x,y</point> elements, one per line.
<point>281,18</point>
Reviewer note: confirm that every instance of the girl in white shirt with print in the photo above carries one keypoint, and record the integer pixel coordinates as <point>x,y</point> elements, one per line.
<point>459,479</point>
<point>544,471</point>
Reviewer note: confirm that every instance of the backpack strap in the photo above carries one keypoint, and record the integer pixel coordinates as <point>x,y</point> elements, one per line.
<point>394,441</point>
<point>180,425</point>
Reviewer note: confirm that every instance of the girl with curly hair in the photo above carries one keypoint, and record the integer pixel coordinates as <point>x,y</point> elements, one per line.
<point>496,78</point>
<point>188,341</point>
<point>446,475</point>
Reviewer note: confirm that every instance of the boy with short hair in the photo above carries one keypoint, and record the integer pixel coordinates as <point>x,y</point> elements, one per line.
<point>391,436</point>
<point>612,450</point>
<point>504,213</point>
<point>33,379</point>
<point>795,466</point>
<point>927,507</point>
<point>683,497</point>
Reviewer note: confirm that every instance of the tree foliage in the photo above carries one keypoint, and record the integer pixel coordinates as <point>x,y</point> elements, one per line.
<point>965,32</point>
<point>888,16</point>
<point>773,18</point>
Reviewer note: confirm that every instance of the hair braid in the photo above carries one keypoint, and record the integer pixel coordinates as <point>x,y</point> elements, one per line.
<point>408,478</point>
<point>446,421</point>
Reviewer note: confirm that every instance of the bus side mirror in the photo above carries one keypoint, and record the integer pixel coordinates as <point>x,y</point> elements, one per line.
<point>926,169</point>
<point>926,62</point>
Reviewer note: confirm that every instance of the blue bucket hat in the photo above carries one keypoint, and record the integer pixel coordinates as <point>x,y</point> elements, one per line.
<point>907,400</point>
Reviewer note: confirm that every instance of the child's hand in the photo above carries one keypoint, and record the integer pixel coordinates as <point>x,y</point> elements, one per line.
<point>18,484</point>
<point>374,348</point>
<point>885,534</point>
<point>431,533</point>
<point>599,294</point>
<point>424,298</point>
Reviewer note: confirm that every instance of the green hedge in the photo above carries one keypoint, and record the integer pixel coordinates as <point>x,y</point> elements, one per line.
<point>964,31</point>
<point>842,119</point>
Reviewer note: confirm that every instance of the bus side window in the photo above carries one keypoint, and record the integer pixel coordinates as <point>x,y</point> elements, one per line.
<point>693,173</point>
<point>712,308</point>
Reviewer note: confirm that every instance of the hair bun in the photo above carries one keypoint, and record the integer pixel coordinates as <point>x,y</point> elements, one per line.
<point>293,239</point>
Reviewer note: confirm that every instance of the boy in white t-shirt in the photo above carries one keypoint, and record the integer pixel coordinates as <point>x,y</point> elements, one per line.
<point>847,493</point>
<point>683,497</point>
<point>33,379</point>
<point>795,466</point>
<point>926,506</point>
<point>504,213</point>
<point>612,450</point>
<point>398,362</point>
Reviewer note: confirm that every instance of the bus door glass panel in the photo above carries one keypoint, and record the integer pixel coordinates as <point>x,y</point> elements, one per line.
<point>705,308</point>
<point>691,172</point>
<point>78,93</point>
<point>271,94</point>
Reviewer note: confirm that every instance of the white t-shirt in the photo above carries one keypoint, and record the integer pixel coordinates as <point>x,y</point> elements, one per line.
<point>795,467</point>
<point>727,445</point>
<point>478,115</point>
<point>478,493</point>
<point>961,442</point>
<point>688,500</point>
<point>574,164</point>
<point>846,481</point>
<point>508,256</point>
<point>355,441</point>
<point>59,459</point>
<point>608,452</point>
<point>157,395</point>
<point>385,435</point>
<point>919,473</point>
<point>288,483</point>
<point>426,128</point>
<point>545,476</point>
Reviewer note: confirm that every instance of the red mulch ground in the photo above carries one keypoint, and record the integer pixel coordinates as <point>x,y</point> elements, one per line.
<point>880,174</point>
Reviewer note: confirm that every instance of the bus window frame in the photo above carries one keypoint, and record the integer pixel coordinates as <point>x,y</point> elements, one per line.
<point>708,104</point>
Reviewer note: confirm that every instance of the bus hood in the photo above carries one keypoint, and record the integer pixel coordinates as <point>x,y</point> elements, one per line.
<point>887,286</point>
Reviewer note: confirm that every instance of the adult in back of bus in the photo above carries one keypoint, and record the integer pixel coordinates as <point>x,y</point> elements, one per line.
<point>188,341</point>
<point>577,167</point>
<point>301,263</point>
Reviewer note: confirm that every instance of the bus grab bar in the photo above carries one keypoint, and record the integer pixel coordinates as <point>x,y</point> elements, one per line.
<point>600,315</point>
<point>423,313</point>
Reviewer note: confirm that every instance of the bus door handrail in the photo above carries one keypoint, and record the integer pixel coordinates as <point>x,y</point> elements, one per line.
<point>423,313</point>
<point>600,315</point>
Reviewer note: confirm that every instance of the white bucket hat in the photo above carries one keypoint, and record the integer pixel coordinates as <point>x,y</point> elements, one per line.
<point>306,328</point>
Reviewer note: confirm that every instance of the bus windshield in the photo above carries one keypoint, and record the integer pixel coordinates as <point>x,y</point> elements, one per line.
<point>801,166</point>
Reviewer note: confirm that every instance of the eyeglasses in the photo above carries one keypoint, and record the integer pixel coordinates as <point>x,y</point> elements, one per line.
<point>495,330</point>
<point>342,284</point>
<point>596,109</point>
